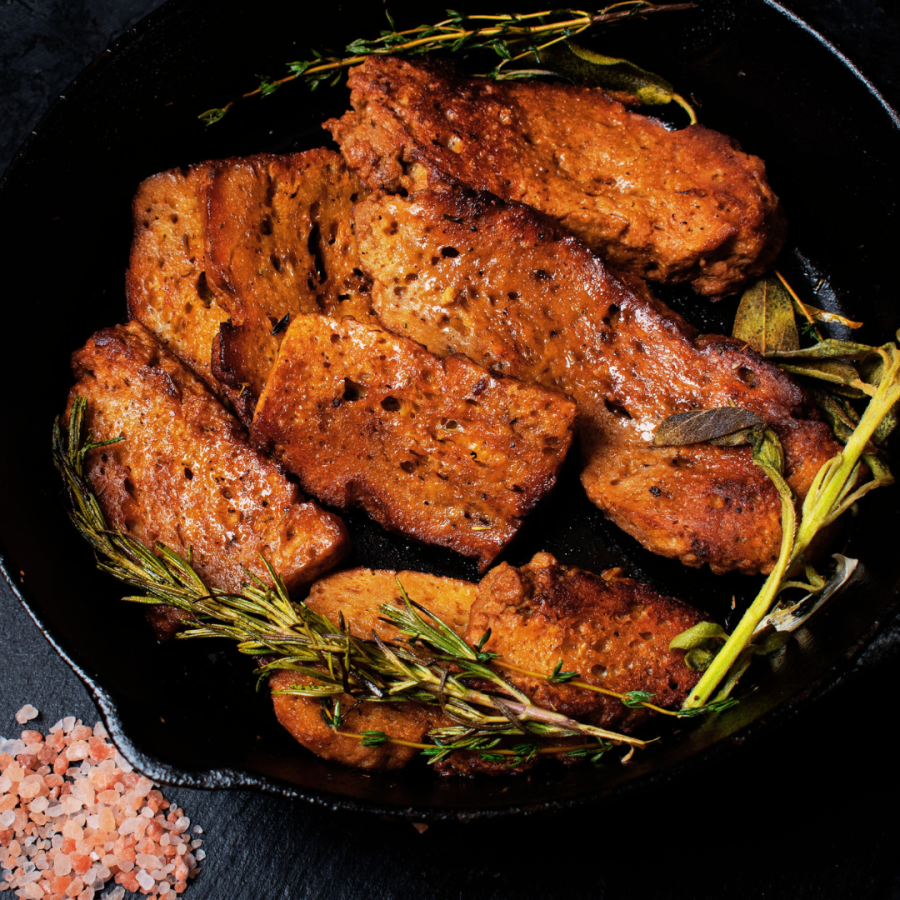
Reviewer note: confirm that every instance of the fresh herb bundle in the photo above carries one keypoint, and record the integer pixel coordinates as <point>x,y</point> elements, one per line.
<point>839,373</point>
<point>512,37</point>
<point>428,663</point>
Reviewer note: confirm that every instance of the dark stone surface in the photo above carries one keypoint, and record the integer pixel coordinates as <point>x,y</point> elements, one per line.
<point>810,811</point>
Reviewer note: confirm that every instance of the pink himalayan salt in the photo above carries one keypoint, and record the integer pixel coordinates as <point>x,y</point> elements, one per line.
<point>78,750</point>
<point>34,848</point>
<point>26,714</point>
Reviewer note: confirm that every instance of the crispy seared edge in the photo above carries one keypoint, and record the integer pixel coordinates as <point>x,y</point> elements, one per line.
<point>279,241</point>
<point>166,282</point>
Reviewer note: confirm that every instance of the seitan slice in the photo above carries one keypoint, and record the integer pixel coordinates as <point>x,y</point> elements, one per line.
<point>279,242</point>
<point>614,633</point>
<point>185,475</point>
<point>463,272</point>
<point>166,281</point>
<point>438,450</point>
<point>670,206</point>
<point>358,594</point>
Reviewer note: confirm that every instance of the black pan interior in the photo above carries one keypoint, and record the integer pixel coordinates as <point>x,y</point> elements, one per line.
<point>188,712</point>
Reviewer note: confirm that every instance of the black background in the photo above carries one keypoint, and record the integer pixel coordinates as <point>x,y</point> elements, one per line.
<point>809,810</point>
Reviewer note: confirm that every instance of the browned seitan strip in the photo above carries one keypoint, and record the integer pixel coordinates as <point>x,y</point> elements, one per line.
<point>670,206</point>
<point>279,242</point>
<point>186,476</point>
<point>438,450</point>
<point>358,595</point>
<point>166,281</point>
<point>614,633</point>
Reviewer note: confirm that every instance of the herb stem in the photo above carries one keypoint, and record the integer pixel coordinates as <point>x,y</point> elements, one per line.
<point>262,620</point>
<point>740,637</point>
<point>799,305</point>
<point>417,745</point>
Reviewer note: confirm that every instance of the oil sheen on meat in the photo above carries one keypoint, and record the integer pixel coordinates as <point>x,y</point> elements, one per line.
<point>669,206</point>
<point>463,272</point>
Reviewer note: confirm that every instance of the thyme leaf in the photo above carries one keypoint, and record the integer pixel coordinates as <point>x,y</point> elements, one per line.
<point>557,676</point>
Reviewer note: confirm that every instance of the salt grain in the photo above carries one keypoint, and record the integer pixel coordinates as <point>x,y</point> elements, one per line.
<point>78,750</point>
<point>26,714</point>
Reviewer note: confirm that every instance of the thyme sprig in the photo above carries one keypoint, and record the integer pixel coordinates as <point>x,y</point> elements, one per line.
<point>432,666</point>
<point>511,37</point>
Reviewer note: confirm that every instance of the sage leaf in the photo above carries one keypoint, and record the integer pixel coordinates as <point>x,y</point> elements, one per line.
<point>771,643</point>
<point>765,317</point>
<point>702,425</point>
<point>822,315</point>
<point>879,468</point>
<point>698,636</point>
<point>769,456</point>
<point>740,665</point>
<point>737,439</point>
<point>583,66</point>
<point>885,426</point>
<point>840,416</point>
<point>699,659</point>
<point>792,617</point>
<point>827,349</point>
<point>837,372</point>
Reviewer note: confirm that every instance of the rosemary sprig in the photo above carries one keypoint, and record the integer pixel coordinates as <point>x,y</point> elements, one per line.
<point>263,621</point>
<point>834,490</point>
<point>511,37</point>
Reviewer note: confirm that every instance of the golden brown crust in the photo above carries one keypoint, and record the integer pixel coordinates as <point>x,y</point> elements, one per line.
<point>279,241</point>
<point>462,272</point>
<point>166,281</point>
<point>185,475</point>
<point>614,634</point>
<point>358,594</point>
<point>438,450</point>
<point>670,206</point>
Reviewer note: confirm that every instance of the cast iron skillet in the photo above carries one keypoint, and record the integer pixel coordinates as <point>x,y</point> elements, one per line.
<point>187,713</point>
